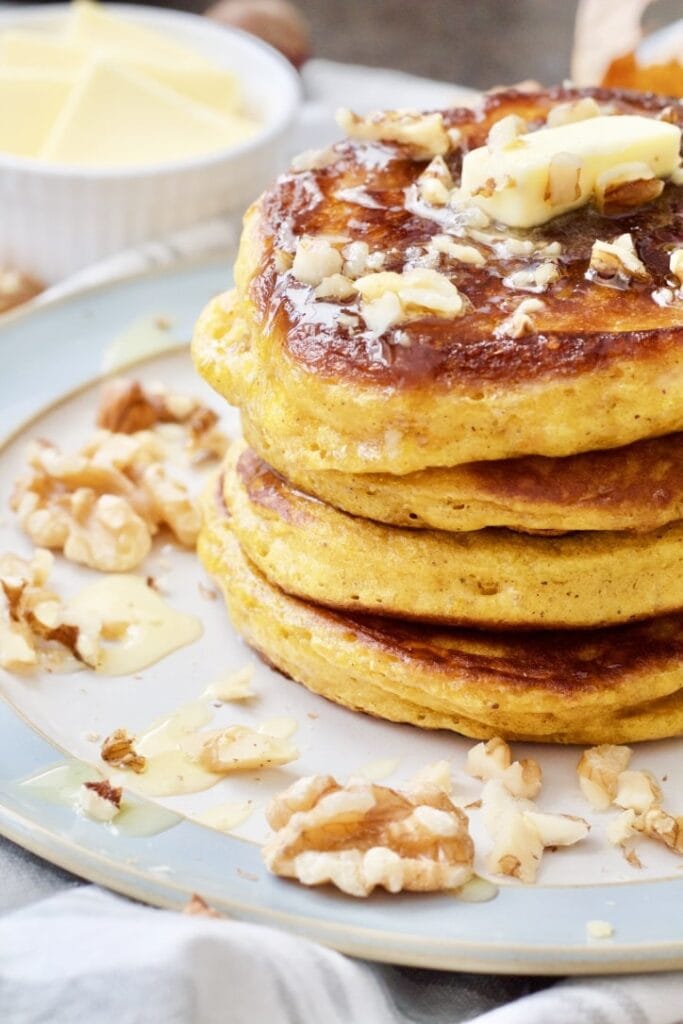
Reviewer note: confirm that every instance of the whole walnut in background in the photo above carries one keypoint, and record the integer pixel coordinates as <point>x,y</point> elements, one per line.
<point>277,22</point>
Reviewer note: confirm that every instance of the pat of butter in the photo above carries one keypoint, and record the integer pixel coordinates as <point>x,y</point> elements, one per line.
<point>514,184</point>
<point>117,116</point>
<point>92,27</point>
<point>31,50</point>
<point>198,80</point>
<point>30,103</point>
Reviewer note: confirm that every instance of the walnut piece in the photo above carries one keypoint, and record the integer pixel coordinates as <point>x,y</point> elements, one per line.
<point>102,505</point>
<point>16,288</point>
<point>424,135</point>
<point>535,279</point>
<point>521,832</point>
<point>361,836</point>
<point>504,134</point>
<point>569,113</point>
<point>315,259</point>
<point>118,749</point>
<point>625,187</point>
<point>616,264</point>
<point>240,748</point>
<point>493,760</point>
<point>520,322</point>
<point>637,791</point>
<point>127,408</point>
<point>197,906</point>
<point>389,298</point>
<point>435,184</point>
<point>598,771</point>
<point>676,264</point>
<point>99,800</point>
<point>564,173</point>
<point>34,620</point>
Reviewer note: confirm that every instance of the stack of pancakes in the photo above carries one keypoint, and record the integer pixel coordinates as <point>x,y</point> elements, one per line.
<point>464,522</point>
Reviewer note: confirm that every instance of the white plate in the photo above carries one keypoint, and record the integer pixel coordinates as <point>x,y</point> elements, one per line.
<point>46,354</point>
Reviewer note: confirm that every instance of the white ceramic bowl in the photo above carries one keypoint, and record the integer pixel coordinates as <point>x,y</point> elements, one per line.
<point>56,219</point>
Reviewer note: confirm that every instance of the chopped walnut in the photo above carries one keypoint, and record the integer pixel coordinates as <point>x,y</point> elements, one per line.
<point>424,135</point>
<point>103,504</point>
<point>520,321</point>
<point>35,619</point>
<point>197,906</point>
<point>493,760</point>
<point>521,832</point>
<point>336,286</point>
<point>99,800</point>
<point>658,824</point>
<point>569,113</point>
<point>564,175</point>
<point>437,774</point>
<point>505,134</point>
<point>676,264</point>
<point>598,771</point>
<point>16,288</point>
<point>677,175</point>
<point>128,408</point>
<point>625,187</point>
<point>314,159</point>
<point>535,279</point>
<point>315,259</point>
<point>118,750</point>
<point>447,246</point>
<point>358,260</point>
<point>240,748</point>
<point>361,836</point>
<point>616,263</point>
<point>435,184</point>
<point>390,298</point>
<point>637,791</point>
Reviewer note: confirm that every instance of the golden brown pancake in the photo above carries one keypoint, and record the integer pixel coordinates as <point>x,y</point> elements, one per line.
<point>616,685</point>
<point>494,578</point>
<point>601,368</point>
<point>639,488</point>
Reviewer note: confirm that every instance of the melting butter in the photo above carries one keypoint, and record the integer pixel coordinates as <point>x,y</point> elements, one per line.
<point>225,817</point>
<point>153,629</point>
<point>477,890</point>
<point>279,728</point>
<point>61,784</point>
<point>375,771</point>
<point>145,337</point>
<point>169,747</point>
<point>236,686</point>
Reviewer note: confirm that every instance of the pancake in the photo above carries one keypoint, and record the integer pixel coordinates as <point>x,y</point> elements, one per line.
<point>636,488</point>
<point>618,685</point>
<point>491,578</point>
<point>599,367</point>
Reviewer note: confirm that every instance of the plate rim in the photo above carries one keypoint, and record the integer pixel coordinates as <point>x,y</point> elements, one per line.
<point>448,953</point>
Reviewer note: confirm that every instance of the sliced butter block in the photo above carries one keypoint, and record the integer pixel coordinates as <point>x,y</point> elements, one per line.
<point>30,103</point>
<point>212,86</point>
<point>200,81</point>
<point>117,116</point>
<point>92,27</point>
<point>550,171</point>
<point>27,50</point>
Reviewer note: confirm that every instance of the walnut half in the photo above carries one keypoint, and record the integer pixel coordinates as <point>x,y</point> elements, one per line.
<point>361,836</point>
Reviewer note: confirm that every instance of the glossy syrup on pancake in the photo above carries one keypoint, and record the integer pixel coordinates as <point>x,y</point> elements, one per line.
<point>600,366</point>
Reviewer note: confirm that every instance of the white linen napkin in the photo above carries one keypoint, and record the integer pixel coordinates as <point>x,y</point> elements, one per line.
<point>89,956</point>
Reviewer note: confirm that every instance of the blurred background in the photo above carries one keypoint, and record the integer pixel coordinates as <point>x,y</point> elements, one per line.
<point>478,43</point>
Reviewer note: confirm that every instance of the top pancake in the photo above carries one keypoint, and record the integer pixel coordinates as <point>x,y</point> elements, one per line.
<point>601,368</point>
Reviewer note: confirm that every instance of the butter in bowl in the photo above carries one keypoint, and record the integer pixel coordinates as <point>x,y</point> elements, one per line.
<point>121,124</point>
